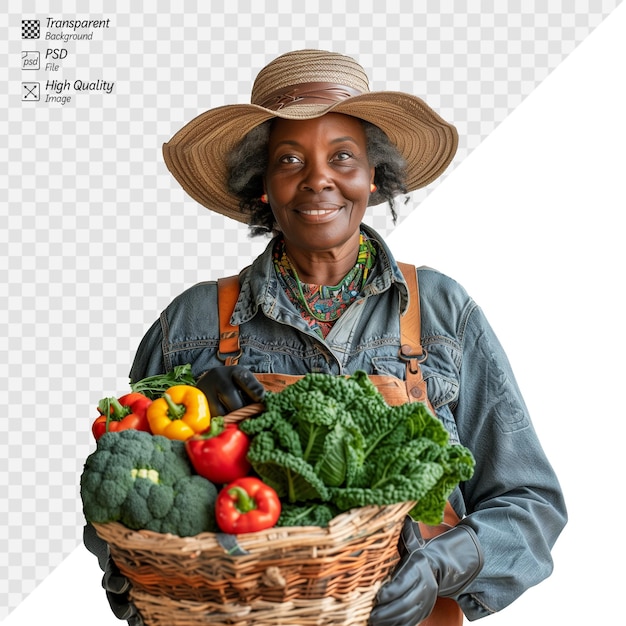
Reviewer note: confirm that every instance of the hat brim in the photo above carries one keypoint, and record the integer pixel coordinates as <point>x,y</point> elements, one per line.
<point>196,154</point>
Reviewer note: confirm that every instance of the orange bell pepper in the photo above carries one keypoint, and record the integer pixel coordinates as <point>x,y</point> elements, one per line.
<point>180,413</point>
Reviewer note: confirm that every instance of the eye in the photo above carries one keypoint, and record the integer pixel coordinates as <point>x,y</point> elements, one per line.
<point>289,158</point>
<point>344,155</point>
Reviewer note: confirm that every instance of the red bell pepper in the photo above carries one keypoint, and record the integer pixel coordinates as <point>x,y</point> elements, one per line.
<point>247,505</point>
<point>128,411</point>
<point>219,452</point>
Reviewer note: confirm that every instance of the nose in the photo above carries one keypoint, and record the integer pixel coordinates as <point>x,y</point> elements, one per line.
<point>317,177</point>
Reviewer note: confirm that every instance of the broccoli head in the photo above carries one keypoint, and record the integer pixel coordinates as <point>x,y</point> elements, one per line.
<point>146,481</point>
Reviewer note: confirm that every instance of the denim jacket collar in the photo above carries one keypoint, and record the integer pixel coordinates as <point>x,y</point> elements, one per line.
<point>260,286</point>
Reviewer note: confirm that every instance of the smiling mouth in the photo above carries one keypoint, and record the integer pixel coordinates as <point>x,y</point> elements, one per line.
<point>317,212</point>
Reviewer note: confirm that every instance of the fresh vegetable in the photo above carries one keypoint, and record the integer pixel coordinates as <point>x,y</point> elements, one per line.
<point>334,439</point>
<point>181,412</point>
<point>155,386</point>
<point>219,453</point>
<point>146,481</point>
<point>128,411</point>
<point>247,505</point>
<point>315,514</point>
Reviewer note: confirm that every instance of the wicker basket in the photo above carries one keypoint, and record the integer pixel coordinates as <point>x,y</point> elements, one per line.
<point>292,575</point>
<point>296,576</point>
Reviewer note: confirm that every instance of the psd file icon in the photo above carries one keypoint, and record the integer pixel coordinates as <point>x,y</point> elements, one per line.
<point>30,29</point>
<point>31,60</point>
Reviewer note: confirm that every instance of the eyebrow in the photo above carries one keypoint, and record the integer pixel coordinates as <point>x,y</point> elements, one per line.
<point>342,139</point>
<point>291,142</point>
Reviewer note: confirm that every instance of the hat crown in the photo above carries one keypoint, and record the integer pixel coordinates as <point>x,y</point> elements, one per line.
<point>303,67</point>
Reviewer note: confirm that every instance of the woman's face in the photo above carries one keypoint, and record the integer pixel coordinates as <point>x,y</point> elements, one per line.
<point>318,180</point>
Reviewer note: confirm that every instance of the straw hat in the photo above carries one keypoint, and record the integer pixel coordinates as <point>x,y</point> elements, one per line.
<point>302,85</point>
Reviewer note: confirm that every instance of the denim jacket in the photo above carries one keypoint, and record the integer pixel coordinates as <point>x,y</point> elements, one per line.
<point>513,501</point>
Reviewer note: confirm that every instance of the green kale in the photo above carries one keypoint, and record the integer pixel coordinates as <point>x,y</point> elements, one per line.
<point>307,515</point>
<point>287,473</point>
<point>458,466</point>
<point>334,440</point>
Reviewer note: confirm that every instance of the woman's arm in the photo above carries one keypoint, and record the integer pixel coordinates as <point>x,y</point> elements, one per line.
<point>514,501</point>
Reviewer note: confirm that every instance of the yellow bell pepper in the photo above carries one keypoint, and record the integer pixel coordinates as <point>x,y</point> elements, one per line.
<point>180,413</point>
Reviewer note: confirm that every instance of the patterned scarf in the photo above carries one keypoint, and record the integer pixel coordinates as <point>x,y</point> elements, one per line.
<point>321,305</point>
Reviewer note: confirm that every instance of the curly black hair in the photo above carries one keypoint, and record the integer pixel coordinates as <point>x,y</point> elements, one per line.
<point>248,161</point>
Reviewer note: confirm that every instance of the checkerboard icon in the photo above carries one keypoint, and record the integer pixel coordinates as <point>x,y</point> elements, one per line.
<point>30,29</point>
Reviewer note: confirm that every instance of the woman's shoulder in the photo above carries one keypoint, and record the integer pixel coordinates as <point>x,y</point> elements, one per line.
<point>432,279</point>
<point>190,294</point>
<point>195,303</point>
<point>445,304</point>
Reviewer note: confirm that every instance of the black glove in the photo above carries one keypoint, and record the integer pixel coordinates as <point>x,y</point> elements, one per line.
<point>443,566</point>
<point>115,585</point>
<point>230,387</point>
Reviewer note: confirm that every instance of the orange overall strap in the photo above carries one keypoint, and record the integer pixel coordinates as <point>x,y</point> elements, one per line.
<point>446,612</point>
<point>227,294</point>
<point>411,349</point>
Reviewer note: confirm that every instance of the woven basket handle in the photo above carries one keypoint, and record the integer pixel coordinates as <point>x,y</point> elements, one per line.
<point>250,410</point>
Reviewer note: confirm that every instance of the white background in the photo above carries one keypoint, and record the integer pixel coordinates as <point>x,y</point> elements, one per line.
<point>534,219</point>
<point>531,224</point>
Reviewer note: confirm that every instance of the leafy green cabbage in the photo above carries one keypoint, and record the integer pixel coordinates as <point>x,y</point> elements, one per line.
<point>334,440</point>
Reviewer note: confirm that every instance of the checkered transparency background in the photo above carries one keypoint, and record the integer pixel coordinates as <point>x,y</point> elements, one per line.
<point>97,235</point>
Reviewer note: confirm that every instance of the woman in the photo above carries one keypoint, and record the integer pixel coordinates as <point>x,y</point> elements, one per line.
<point>303,162</point>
